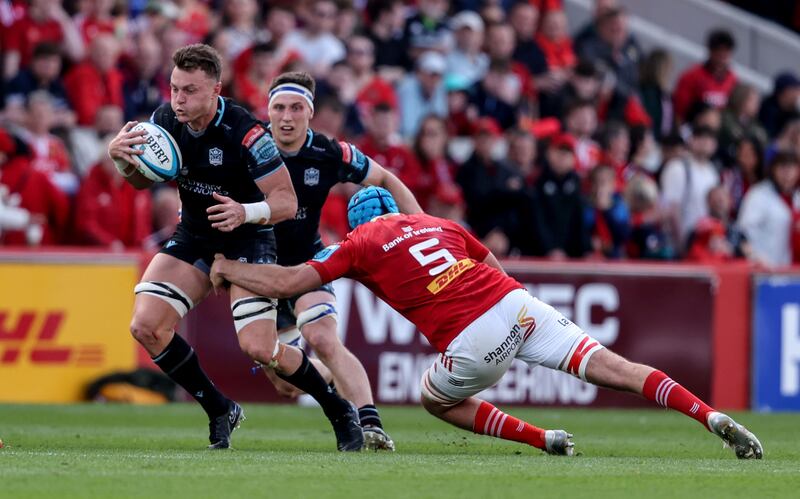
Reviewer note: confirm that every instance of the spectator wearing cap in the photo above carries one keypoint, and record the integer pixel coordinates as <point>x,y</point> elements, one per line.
<point>740,119</point>
<point>44,21</point>
<point>782,105</point>
<point>716,238</point>
<point>607,220</point>
<point>710,82</point>
<point>492,190</point>
<point>655,91</point>
<point>467,59</point>
<point>685,183</point>
<point>145,84</point>
<point>557,205</point>
<point>428,29</point>
<point>385,147</point>
<point>438,170</point>
<point>112,214</point>
<point>387,22</point>
<point>770,213</point>
<point>422,92</point>
<point>554,40</point>
<point>616,48</point>
<point>44,73</point>
<point>318,47</point>
<point>32,191</point>
<point>96,81</point>
<point>370,89</point>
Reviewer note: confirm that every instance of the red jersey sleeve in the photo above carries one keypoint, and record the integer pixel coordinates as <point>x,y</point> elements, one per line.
<point>335,261</point>
<point>475,249</point>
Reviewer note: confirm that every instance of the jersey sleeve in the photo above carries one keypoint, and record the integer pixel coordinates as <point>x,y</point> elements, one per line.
<point>162,117</point>
<point>263,158</point>
<point>475,249</point>
<point>353,164</point>
<point>335,260</point>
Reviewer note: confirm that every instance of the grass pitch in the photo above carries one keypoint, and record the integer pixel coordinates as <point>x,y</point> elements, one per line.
<point>287,451</point>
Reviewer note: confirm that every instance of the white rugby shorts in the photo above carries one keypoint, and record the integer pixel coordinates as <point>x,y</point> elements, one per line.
<point>518,326</point>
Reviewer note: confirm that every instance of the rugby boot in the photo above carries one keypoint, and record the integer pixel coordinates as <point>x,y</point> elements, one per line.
<point>558,443</point>
<point>349,435</point>
<point>736,436</point>
<point>375,438</point>
<point>221,427</point>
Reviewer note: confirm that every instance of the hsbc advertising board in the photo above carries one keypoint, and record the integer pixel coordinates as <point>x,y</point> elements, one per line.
<point>662,317</point>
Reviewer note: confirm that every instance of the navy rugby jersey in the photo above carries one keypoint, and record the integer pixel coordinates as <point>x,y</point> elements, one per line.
<point>227,157</point>
<point>319,165</point>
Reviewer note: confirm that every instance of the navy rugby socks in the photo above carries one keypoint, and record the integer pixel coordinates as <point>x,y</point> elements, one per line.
<point>179,362</point>
<point>308,379</point>
<point>368,414</point>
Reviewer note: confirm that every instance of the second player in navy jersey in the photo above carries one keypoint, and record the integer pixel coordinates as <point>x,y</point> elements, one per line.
<point>316,163</point>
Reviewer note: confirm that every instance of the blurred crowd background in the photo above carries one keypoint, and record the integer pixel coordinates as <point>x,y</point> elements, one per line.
<point>542,142</point>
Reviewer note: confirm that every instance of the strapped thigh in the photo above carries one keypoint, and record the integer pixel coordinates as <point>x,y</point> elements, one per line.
<point>168,292</point>
<point>578,357</point>
<point>315,313</point>
<point>251,309</point>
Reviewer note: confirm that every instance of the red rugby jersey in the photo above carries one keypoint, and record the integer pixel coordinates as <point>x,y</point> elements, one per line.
<point>427,268</point>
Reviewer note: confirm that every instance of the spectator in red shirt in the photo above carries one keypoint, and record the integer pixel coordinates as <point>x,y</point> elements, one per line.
<point>48,153</point>
<point>96,81</point>
<point>711,82</point>
<point>33,192</point>
<point>382,144</point>
<point>252,88</point>
<point>370,88</point>
<point>195,19</point>
<point>96,19</point>
<point>109,212</point>
<point>45,21</point>
<point>555,42</point>
<point>430,146</point>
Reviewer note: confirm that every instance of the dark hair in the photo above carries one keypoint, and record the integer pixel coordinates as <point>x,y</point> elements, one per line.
<point>199,56</point>
<point>263,48</point>
<point>652,65</point>
<point>587,68</point>
<point>720,39</point>
<point>301,78</point>
<point>610,131</point>
<point>46,49</point>
<point>331,102</point>
<point>783,157</point>
<point>576,104</point>
<point>375,8</point>
<point>758,148</point>
<point>417,147</point>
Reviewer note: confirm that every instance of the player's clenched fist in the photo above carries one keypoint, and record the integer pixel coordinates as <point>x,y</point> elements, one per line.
<point>121,146</point>
<point>227,215</point>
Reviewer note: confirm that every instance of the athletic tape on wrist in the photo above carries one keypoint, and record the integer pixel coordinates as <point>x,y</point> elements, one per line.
<point>257,213</point>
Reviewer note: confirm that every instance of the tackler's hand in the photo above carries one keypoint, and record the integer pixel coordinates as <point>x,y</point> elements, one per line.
<point>227,215</point>
<point>217,280</point>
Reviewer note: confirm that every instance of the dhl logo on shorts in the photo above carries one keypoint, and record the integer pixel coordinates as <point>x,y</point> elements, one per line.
<point>525,321</point>
<point>34,334</point>
<point>442,280</point>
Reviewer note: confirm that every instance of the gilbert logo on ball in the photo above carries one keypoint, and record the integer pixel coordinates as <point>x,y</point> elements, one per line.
<point>161,159</point>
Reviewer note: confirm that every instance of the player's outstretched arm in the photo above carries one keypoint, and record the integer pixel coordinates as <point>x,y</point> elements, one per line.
<point>121,151</point>
<point>382,177</point>
<point>492,261</point>
<point>265,280</point>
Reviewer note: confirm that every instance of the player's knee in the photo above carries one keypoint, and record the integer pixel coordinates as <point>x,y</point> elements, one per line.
<point>146,330</point>
<point>322,339</point>
<point>257,347</point>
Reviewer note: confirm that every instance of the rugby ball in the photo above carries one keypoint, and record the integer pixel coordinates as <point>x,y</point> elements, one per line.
<point>160,160</point>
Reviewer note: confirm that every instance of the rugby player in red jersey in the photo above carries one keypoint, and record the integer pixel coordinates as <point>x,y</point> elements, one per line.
<point>453,289</point>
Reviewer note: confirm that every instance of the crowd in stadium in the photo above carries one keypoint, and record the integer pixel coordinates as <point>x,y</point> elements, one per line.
<point>542,142</point>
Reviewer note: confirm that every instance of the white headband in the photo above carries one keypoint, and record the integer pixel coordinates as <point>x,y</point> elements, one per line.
<point>293,89</point>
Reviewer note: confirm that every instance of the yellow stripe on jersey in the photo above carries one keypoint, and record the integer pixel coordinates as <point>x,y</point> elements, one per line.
<point>449,275</point>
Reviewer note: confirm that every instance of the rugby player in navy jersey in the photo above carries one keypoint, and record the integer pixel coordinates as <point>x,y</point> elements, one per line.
<point>233,186</point>
<point>316,163</point>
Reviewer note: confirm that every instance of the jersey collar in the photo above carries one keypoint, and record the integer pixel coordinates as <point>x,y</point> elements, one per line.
<point>220,110</point>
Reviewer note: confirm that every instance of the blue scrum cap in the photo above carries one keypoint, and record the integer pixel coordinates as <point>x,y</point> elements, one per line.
<point>368,203</point>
